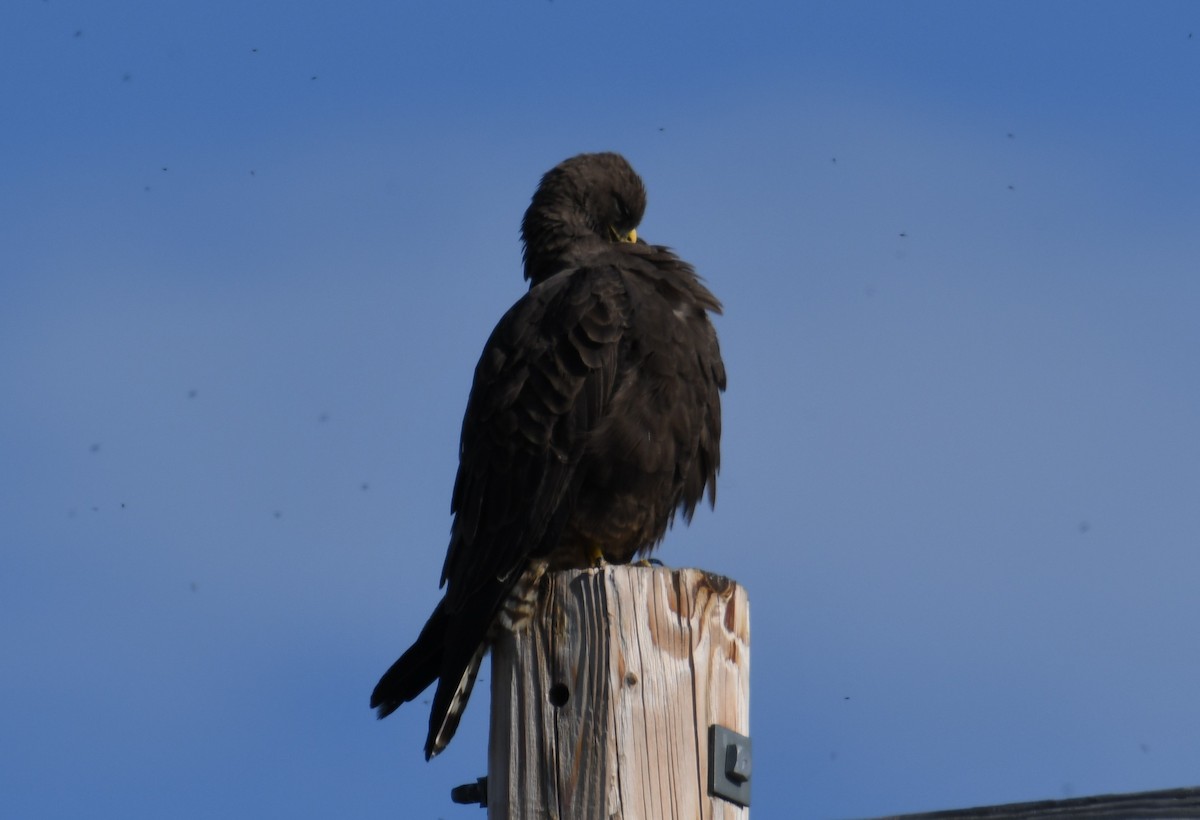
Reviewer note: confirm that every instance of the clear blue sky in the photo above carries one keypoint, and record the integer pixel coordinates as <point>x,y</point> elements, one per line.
<point>249,254</point>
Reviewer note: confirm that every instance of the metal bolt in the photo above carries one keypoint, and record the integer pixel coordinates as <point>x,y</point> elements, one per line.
<point>737,762</point>
<point>729,765</point>
<point>471,793</point>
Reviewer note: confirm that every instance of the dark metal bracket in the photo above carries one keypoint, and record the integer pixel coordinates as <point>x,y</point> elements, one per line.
<point>729,765</point>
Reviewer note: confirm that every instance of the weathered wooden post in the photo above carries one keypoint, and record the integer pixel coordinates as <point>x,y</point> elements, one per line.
<point>604,707</point>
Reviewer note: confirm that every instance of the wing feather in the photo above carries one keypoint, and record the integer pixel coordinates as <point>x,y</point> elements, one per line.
<point>544,381</point>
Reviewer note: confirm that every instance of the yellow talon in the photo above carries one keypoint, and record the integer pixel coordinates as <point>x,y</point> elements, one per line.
<point>596,556</point>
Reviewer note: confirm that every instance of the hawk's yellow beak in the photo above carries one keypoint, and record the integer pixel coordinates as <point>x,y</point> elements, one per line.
<point>617,236</point>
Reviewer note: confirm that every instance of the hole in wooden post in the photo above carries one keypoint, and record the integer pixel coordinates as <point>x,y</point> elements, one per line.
<point>559,695</point>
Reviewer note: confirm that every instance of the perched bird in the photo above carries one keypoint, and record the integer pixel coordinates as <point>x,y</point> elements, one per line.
<point>594,416</point>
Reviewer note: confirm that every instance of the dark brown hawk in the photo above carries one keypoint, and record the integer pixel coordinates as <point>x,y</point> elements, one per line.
<point>595,414</point>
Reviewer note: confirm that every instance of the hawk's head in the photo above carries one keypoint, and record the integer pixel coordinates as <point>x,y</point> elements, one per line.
<point>585,202</point>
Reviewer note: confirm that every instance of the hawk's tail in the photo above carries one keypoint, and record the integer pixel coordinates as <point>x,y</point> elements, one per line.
<point>449,701</point>
<point>435,654</point>
<point>504,605</point>
<point>416,669</point>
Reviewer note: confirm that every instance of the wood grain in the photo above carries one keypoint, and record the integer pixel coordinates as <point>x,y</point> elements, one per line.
<point>601,705</point>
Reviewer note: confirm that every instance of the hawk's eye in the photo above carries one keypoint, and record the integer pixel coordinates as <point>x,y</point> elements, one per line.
<point>622,211</point>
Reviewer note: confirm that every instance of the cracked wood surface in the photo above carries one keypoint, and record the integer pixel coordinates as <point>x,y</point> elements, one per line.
<point>601,705</point>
